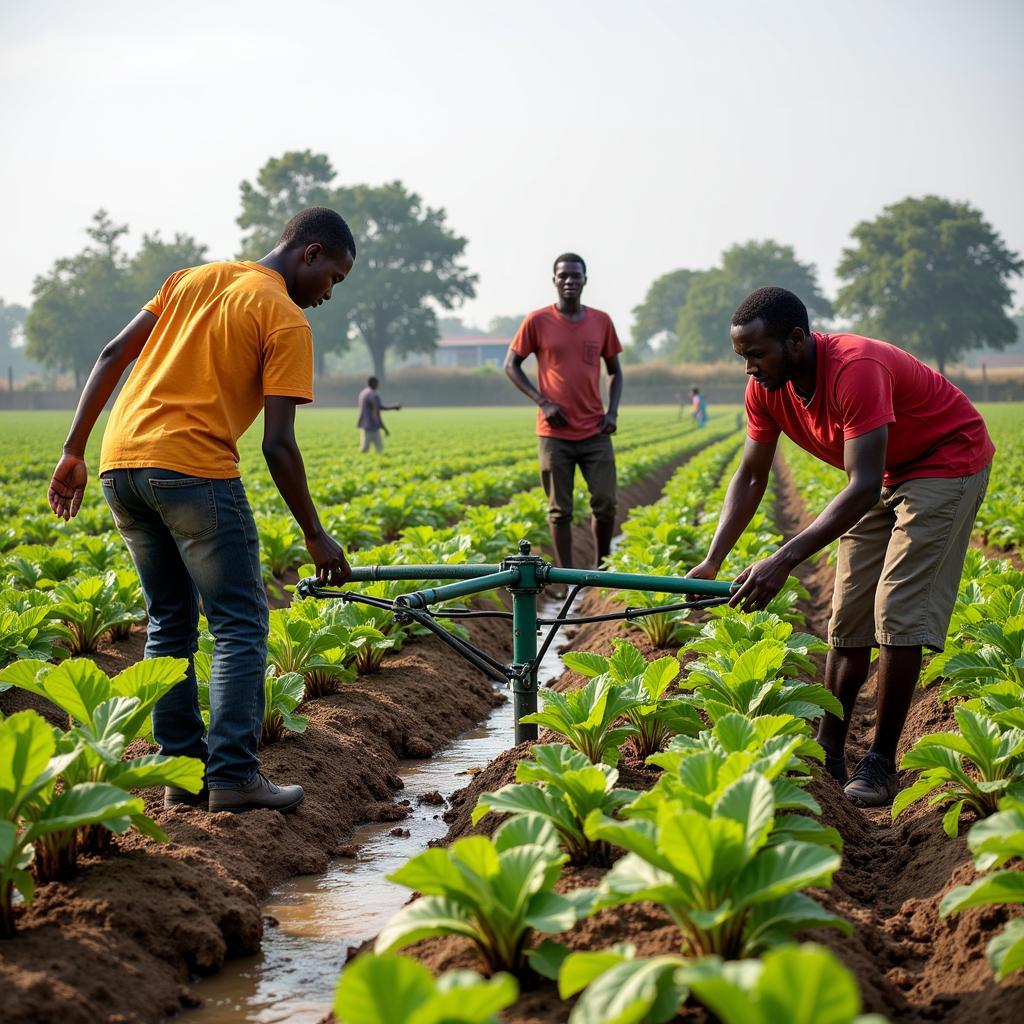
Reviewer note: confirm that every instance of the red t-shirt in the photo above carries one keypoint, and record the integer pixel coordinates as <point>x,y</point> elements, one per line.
<point>861,384</point>
<point>569,355</point>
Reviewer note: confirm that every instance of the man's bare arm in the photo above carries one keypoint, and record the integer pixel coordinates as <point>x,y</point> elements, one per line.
<point>614,368</point>
<point>67,485</point>
<point>284,460</point>
<point>514,371</point>
<point>742,498</point>
<point>864,459</point>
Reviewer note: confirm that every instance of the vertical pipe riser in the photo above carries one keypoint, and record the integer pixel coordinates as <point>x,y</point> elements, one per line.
<point>524,650</point>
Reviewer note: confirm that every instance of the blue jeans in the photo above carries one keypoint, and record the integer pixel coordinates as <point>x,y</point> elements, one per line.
<point>194,538</point>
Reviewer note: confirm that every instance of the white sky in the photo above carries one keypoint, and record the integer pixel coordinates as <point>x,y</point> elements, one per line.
<point>646,135</point>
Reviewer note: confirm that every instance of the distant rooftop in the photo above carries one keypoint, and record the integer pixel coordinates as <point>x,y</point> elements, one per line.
<point>472,341</point>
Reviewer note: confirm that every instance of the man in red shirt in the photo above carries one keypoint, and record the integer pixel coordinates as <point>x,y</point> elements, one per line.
<point>569,341</point>
<point>917,456</point>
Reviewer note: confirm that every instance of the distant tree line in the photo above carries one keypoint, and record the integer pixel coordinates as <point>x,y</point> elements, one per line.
<point>929,274</point>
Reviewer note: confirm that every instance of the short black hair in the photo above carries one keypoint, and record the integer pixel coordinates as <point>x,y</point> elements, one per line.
<point>319,224</point>
<point>570,257</point>
<point>372,382</point>
<point>779,308</point>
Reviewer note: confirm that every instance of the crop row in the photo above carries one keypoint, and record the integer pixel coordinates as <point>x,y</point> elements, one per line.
<point>726,841</point>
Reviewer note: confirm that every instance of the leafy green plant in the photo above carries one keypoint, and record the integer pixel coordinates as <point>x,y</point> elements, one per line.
<point>106,715</point>
<point>994,841</point>
<point>125,589</point>
<point>39,566</point>
<point>728,634</point>
<point>89,609</point>
<point>494,892</point>
<point>729,890</point>
<point>32,633</point>
<point>281,545</point>
<point>387,989</point>
<point>282,695</point>
<point>31,809</point>
<point>698,770</point>
<point>78,687</point>
<point>587,717</point>
<point>996,757</point>
<point>751,683</point>
<point>318,651</point>
<point>796,984</point>
<point>99,553</point>
<point>563,787</point>
<point>656,715</point>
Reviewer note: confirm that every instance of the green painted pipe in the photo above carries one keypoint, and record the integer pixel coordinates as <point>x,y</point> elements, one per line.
<point>371,573</point>
<point>434,595</point>
<point>638,581</point>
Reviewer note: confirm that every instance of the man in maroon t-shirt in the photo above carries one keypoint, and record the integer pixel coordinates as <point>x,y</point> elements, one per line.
<point>917,456</point>
<point>569,341</point>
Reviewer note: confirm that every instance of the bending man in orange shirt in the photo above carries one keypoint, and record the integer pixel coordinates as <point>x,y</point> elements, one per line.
<point>217,344</point>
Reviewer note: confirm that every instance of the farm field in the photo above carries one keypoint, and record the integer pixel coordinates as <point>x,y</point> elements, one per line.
<point>703,833</point>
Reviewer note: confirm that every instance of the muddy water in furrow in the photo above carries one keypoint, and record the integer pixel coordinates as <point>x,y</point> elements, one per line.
<point>313,919</point>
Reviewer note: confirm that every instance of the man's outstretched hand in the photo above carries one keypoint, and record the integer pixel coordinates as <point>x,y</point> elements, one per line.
<point>67,486</point>
<point>760,582</point>
<point>332,567</point>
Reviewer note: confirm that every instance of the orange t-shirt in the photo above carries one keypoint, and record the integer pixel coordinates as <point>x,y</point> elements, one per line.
<point>569,354</point>
<point>226,335</point>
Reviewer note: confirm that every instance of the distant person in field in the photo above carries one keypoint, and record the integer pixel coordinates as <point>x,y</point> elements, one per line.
<point>570,341</point>
<point>370,423</point>
<point>215,346</point>
<point>917,456</point>
<point>698,407</point>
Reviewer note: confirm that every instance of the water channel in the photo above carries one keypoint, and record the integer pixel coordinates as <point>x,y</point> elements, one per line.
<point>318,917</point>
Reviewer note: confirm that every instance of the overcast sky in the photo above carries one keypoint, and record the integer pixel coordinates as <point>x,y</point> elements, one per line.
<point>645,135</point>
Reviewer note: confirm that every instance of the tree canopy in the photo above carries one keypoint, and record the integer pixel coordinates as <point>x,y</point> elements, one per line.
<point>84,300</point>
<point>12,320</point>
<point>694,307</point>
<point>932,276</point>
<point>659,312</point>
<point>408,263</point>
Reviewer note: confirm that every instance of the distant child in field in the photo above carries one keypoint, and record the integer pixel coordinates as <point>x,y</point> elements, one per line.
<point>698,407</point>
<point>215,346</point>
<point>370,423</point>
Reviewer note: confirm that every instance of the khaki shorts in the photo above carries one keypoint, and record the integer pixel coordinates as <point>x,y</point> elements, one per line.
<point>899,568</point>
<point>558,462</point>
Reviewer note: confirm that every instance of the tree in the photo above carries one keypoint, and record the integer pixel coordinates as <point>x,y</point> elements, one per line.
<point>86,299</point>
<point>930,275</point>
<point>658,314</point>
<point>409,262</point>
<point>702,326</point>
<point>12,321</point>
<point>81,303</point>
<point>284,186</point>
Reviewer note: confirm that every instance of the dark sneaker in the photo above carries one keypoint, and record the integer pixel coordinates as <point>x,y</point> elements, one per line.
<point>835,765</point>
<point>874,782</point>
<point>258,794</point>
<point>175,796</point>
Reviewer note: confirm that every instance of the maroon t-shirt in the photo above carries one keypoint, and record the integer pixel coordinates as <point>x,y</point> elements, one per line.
<point>861,384</point>
<point>569,354</point>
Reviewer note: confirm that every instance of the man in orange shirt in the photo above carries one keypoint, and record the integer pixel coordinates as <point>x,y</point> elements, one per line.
<point>569,341</point>
<point>214,346</point>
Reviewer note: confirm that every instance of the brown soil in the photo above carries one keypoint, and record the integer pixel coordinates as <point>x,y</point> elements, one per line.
<point>911,965</point>
<point>120,942</point>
